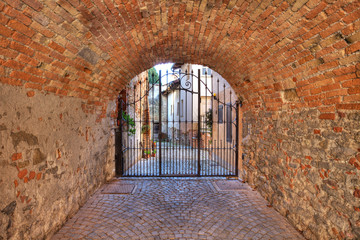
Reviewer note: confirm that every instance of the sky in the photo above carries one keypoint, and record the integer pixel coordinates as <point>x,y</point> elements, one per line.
<point>163,67</point>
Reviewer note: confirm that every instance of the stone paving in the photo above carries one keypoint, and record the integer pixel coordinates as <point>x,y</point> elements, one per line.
<point>175,208</point>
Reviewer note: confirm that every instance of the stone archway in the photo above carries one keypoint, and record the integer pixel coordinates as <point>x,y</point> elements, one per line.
<point>295,63</point>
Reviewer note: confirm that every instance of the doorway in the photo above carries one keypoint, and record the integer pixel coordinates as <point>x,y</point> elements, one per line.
<point>182,123</point>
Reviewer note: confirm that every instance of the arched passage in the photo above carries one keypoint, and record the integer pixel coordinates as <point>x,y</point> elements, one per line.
<point>294,63</point>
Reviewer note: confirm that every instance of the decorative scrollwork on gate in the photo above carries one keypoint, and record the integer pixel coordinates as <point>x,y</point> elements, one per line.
<point>188,84</point>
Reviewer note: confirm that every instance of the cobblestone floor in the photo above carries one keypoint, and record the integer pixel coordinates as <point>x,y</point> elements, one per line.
<point>170,208</point>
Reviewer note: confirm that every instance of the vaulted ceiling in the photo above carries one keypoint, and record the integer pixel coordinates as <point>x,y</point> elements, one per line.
<point>303,53</point>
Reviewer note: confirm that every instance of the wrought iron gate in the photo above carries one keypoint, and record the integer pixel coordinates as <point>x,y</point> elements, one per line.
<point>179,124</point>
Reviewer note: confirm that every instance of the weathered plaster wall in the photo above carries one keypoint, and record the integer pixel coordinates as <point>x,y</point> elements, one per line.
<point>308,168</point>
<point>54,153</point>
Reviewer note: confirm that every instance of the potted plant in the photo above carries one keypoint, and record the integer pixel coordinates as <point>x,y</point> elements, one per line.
<point>147,153</point>
<point>153,154</point>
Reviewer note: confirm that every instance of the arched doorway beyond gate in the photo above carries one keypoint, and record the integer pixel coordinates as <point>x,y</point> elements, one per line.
<point>182,123</point>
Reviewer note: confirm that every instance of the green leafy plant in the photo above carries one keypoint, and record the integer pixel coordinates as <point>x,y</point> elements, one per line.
<point>147,152</point>
<point>145,128</point>
<point>153,76</point>
<point>130,122</point>
<point>209,120</point>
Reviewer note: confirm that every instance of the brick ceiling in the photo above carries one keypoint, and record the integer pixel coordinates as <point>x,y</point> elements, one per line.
<point>300,52</point>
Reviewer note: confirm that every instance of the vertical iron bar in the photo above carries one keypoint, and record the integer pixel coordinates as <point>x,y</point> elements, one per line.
<point>199,132</point>
<point>215,156</point>
<point>222,144</point>
<point>206,167</point>
<point>133,160</point>
<point>153,122</point>
<point>139,157</point>
<point>179,132</point>
<point>121,157</point>
<point>192,118</point>
<point>237,139</point>
<point>218,128</point>
<point>212,120</point>
<point>186,133</point>
<point>160,123</point>
<point>142,142</point>
<point>127,172</point>
<point>225,128</point>
<point>228,150</point>
<point>173,130</point>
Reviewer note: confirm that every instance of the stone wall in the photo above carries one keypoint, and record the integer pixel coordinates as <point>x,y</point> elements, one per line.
<point>54,153</point>
<point>308,168</point>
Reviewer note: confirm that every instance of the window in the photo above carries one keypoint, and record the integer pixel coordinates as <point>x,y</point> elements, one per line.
<point>228,123</point>
<point>182,108</point>
<point>221,114</point>
<point>171,109</point>
<point>178,109</point>
<point>206,70</point>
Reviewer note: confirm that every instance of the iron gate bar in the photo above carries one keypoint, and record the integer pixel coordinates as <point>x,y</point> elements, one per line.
<point>160,125</point>
<point>199,122</point>
<point>121,150</point>
<point>237,139</point>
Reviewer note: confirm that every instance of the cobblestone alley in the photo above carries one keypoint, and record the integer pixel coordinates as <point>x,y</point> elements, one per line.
<point>177,209</point>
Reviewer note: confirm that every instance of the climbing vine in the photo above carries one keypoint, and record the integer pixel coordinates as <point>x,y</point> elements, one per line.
<point>209,120</point>
<point>130,122</point>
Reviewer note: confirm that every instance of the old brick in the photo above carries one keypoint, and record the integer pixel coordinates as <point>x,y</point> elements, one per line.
<point>21,48</point>
<point>57,47</point>
<point>327,116</point>
<point>17,15</point>
<point>18,26</point>
<point>338,129</point>
<point>43,30</point>
<point>13,64</point>
<point>352,98</point>
<point>350,106</point>
<point>21,38</point>
<point>354,90</point>
<point>5,31</point>
<point>11,81</point>
<point>16,156</point>
<point>316,131</point>
<point>38,176</point>
<point>352,17</point>
<point>317,6</point>
<point>22,173</point>
<point>353,48</point>
<point>30,93</point>
<point>35,4</point>
<point>31,175</point>
<point>357,193</point>
<point>33,86</point>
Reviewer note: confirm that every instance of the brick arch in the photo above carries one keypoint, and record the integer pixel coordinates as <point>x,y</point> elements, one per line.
<point>294,62</point>
<point>89,49</point>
